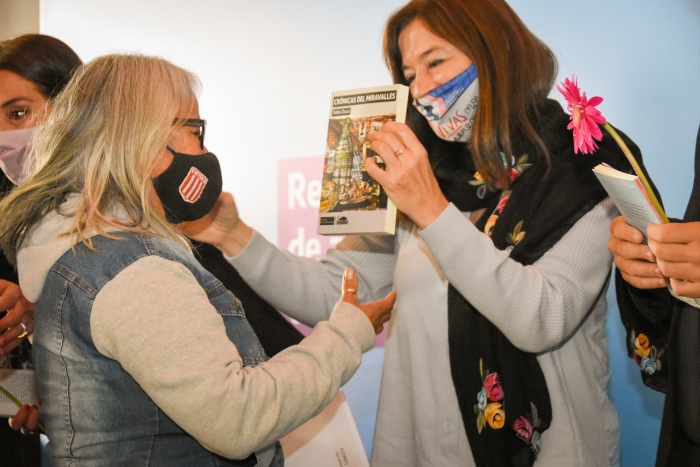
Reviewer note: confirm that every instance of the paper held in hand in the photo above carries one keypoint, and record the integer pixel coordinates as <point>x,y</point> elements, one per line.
<point>639,207</point>
<point>22,385</point>
<point>330,439</point>
<point>351,201</point>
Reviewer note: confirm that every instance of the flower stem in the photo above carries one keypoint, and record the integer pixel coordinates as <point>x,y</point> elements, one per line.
<point>18,403</point>
<point>635,166</point>
<point>10,396</point>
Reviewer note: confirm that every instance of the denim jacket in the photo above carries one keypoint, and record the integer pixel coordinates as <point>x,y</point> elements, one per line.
<point>94,411</point>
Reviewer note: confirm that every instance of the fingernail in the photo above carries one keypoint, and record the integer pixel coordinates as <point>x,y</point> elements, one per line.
<point>9,422</point>
<point>349,274</point>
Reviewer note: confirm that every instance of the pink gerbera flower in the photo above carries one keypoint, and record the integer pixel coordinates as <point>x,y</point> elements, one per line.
<point>585,118</point>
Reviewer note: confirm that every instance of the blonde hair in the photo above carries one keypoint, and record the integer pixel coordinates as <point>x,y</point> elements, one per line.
<point>100,143</point>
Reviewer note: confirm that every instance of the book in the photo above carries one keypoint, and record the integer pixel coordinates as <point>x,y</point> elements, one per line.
<point>330,439</point>
<point>22,385</point>
<point>638,206</point>
<point>351,201</point>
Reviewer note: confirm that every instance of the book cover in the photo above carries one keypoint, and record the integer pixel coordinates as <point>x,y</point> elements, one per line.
<point>351,201</point>
<point>639,207</point>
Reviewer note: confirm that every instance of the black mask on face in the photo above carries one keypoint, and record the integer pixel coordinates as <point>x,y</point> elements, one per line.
<point>189,187</point>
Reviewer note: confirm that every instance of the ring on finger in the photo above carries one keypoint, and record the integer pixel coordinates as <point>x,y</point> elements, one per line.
<point>398,152</point>
<point>24,333</point>
<point>351,290</point>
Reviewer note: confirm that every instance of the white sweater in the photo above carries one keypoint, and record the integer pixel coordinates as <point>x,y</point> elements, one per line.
<point>555,308</point>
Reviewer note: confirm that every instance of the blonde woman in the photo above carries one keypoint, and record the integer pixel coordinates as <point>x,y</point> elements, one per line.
<point>142,356</point>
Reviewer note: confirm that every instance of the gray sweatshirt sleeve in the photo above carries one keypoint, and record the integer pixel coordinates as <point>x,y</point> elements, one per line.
<point>306,288</point>
<point>169,338</point>
<point>552,297</point>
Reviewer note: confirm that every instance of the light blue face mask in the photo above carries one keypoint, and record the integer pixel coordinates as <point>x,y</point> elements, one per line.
<point>450,109</point>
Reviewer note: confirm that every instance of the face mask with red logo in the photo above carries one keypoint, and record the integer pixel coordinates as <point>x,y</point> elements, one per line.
<point>189,187</point>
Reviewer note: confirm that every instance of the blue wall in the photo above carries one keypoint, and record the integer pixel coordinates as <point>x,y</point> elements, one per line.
<point>643,58</point>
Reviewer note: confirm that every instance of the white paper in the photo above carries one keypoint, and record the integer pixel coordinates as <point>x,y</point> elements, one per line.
<point>22,385</point>
<point>630,197</point>
<point>690,301</point>
<point>330,439</point>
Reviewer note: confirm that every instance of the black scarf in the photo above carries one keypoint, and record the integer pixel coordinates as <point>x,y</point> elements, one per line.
<point>492,378</point>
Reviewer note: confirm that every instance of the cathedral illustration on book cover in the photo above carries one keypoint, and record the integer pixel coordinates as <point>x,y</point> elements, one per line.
<point>351,201</point>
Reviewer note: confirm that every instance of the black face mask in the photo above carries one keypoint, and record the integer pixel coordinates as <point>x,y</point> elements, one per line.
<point>189,187</point>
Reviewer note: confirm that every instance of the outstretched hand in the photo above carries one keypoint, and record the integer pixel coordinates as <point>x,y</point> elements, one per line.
<point>378,312</point>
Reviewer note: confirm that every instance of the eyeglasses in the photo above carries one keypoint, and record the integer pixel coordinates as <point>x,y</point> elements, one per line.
<point>198,122</point>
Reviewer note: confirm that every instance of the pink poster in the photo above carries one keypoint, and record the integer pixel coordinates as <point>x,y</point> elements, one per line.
<point>299,186</point>
<point>298,196</point>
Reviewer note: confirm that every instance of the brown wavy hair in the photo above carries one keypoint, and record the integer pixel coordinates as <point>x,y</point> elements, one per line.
<point>516,71</point>
<point>44,60</point>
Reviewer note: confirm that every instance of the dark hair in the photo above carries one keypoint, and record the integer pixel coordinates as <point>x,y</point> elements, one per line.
<point>43,60</point>
<point>516,70</point>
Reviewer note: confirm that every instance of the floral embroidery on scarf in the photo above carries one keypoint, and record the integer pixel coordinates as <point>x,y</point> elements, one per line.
<point>488,228</point>
<point>517,235</point>
<point>525,428</point>
<point>483,187</point>
<point>647,356</point>
<point>518,168</point>
<point>489,406</point>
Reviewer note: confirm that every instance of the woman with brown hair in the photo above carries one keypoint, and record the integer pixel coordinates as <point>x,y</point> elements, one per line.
<point>497,353</point>
<point>34,68</point>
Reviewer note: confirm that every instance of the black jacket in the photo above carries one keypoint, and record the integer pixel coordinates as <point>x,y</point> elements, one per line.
<point>673,328</point>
